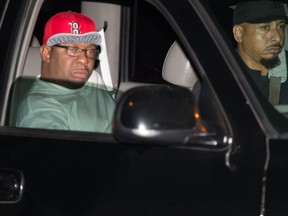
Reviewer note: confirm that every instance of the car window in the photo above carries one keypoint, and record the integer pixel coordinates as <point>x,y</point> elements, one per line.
<point>223,13</point>
<point>153,40</point>
<point>142,61</point>
<point>138,42</point>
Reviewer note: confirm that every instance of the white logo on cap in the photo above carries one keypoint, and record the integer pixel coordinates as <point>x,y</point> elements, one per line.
<point>75,27</point>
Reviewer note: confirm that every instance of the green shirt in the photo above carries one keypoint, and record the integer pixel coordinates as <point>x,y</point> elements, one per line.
<point>51,106</point>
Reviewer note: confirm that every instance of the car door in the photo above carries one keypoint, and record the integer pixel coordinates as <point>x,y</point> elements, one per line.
<point>172,179</point>
<point>126,173</point>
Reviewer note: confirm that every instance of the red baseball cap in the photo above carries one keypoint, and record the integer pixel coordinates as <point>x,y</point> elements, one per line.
<point>70,27</point>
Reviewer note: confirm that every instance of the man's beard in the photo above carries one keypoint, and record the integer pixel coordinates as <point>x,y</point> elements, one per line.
<point>270,63</point>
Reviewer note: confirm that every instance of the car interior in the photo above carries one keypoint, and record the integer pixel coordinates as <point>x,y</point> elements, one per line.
<point>106,75</point>
<point>101,76</point>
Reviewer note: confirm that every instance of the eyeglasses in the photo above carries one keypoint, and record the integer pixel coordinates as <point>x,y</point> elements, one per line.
<point>76,51</point>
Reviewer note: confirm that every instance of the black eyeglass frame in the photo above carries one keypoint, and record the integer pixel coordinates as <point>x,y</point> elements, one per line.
<point>98,50</point>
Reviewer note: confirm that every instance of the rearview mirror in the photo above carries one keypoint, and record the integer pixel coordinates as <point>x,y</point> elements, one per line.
<point>165,115</point>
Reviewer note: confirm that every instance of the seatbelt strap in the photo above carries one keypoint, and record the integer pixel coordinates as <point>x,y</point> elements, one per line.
<point>274,90</point>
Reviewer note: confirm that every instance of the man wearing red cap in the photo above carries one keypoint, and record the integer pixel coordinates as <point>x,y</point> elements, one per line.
<point>259,30</point>
<point>61,98</point>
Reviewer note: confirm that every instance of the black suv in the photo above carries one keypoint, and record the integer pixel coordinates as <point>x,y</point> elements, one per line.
<point>222,152</point>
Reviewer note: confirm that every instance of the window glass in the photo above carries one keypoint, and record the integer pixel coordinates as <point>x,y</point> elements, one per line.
<point>153,39</point>
<point>268,77</point>
<point>25,84</point>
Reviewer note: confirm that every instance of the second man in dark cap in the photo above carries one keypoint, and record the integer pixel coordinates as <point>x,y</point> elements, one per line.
<point>259,30</point>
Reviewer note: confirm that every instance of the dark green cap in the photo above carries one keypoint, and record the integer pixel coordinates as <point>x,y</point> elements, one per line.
<point>259,12</point>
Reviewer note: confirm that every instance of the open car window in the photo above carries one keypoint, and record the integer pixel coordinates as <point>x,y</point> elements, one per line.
<point>261,88</point>
<point>138,38</point>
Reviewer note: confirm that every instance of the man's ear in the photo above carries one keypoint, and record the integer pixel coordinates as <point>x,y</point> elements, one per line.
<point>45,53</point>
<point>237,33</point>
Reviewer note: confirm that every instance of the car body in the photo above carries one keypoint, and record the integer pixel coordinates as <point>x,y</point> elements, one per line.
<point>229,161</point>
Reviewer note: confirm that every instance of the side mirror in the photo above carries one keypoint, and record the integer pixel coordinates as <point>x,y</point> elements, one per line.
<point>11,185</point>
<point>166,115</point>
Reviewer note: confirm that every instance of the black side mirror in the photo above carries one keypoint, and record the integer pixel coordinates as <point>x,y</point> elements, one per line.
<point>165,115</point>
<point>11,185</point>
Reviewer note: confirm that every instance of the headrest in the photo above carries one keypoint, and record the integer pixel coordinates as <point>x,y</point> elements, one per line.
<point>34,42</point>
<point>177,68</point>
<point>32,65</point>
